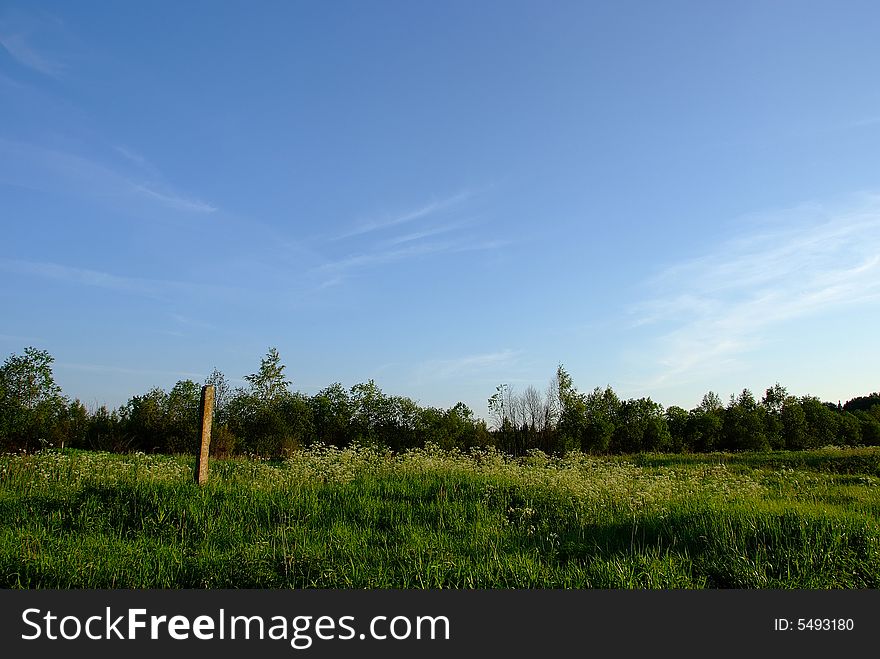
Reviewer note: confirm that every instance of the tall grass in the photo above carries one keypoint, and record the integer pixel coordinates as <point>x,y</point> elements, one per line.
<point>361,518</point>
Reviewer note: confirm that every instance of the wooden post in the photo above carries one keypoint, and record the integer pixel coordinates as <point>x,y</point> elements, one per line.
<point>206,412</point>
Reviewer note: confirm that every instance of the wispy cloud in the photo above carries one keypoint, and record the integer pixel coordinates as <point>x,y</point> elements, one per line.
<point>138,160</point>
<point>155,189</point>
<point>81,276</point>
<point>38,41</point>
<point>865,122</point>
<point>448,226</point>
<point>157,288</point>
<point>482,245</point>
<point>195,323</point>
<point>176,201</point>
<point>790,265</point>
<point>18,46</point>
<point>379,257</point>
<point>468,365</point>
<point>426,210</point>
<point>339,268</point>
<point>420,235</point>
<point>44,168</point>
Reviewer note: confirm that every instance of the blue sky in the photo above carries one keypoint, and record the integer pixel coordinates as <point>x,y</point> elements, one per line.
<point>444,196</point>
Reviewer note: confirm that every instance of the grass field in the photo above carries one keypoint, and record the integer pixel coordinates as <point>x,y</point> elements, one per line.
<point>359,518</point>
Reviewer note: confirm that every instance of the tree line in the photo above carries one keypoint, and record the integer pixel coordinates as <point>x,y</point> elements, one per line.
<point>267,418</point>
<point>563,419</point>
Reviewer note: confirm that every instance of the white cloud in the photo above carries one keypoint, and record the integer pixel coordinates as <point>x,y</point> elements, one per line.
<point>419,235</point>
<point>80,276</point>
<point>44,168</point>
<point>713,310</point>
<point>381,257</point>
<point>187,321</point>
<point>18,46</point>
<point>368,259</point>
<point>38,40</point>
<point>406,217</point>
<point>456,234</point>
<point>468,365</point>
<point>93,278</point>
<point>865,122</point>
<point>139,161</point>
<point>176,201</point>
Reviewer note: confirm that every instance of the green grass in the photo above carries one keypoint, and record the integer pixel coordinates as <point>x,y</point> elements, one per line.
<point>426,519</point>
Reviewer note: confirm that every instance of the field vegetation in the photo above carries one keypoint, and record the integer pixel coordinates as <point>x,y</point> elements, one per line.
<point>363,517</point>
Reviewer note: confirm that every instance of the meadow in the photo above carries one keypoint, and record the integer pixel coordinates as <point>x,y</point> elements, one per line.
<point>428,518</point>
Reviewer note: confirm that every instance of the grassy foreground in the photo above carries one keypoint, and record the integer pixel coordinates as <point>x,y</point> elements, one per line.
<point>360,518</point>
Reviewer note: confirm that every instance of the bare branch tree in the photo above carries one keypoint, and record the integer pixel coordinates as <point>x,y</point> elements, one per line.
<point>551,404</point>
<point>533,412</point>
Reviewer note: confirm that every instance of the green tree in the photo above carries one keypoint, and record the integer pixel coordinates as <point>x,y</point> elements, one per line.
<point>774,398</point>
<point>331,415</point>
<point>74,425</point>
<point>572,410</point>
<point>370,409</point>
<point>223,440</point>
<point>143,420</point>
<point>863,403</point>
<point>264,419</point>
<point>849,430</point>
<point>821,422</point>
<point>640,425</point>
<point>465,430</point>
<point>241,418</point>
<point>704,429</point>
<point>399,429</point>
<point>869,426</point>
<point>772,404</point>
<point>222,394</point>
<point>269,382</point>
<point>383,420</point>
<point>794,425</point>
<point>455,428</point>
<point>744,424</point>
<point>31,404</point>
<point>296,429</point>
<point>182,417</point>
<point>600,415</point>
<point>677,424</point>
<point>711,402</point>
<point>106,431</point>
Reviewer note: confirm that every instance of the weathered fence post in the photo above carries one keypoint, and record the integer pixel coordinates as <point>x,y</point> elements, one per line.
<point>206,412</point>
